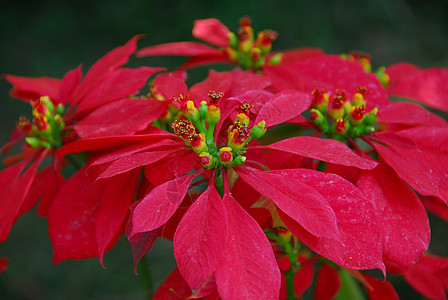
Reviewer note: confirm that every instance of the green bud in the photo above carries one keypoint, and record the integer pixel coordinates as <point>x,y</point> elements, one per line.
<point>239,160</point>
<point>233,40</point>
<point>203,109</point>
<point>60,109</point>
<point>276,59</point>
<point>258,130</point>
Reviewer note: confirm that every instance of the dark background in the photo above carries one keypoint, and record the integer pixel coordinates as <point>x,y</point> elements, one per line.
<point>49,38</point>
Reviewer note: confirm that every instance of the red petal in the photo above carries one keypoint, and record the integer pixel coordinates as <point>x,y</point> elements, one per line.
<point>179,49</point>
<point>133,161</point>
<point>212,31</point>
<point>215,81</point>
<point>134,148</point>
<point>422,165</point>
<point>170,86</point>
<point>282,107</point>
<point>199,236</point>
<point>322,149</point>
<point>105,65</point>
<point>172,167</point>
<point>16,182</point>
<point>401,215</point>
<point>303,279</point>
<point>69,83</point>
<point>160,204</point>
<point>301,202</point>
<point>71,218</point>
<point>141,242</point>
<point>425,86</point>
<point>292,56</point>
<point>118,84</point>
<point>113,210</point>
<point>356,220</point>
<point>198,61</point>
<point>429,277</point>
<point>328,72</point>
<point>124,117</point>
<point>110,142</point>
<point>400,71</point>
<point>381,290</point>
<point>436,206</point>
<point>248,269</point>
<point>35,87</point>
<point>327,283</point>
<point>405,113</point>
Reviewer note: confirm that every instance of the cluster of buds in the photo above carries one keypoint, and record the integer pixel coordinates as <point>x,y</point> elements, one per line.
<point>366,63</point>
<point>198,130</point>
<point>345,118</point>
<point>248,52</point>
<point>48,124</point>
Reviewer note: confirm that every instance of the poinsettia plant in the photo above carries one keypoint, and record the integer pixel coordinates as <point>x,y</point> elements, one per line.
<point>294,172</point>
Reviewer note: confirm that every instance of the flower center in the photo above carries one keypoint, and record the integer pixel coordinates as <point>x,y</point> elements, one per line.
<point>48,124</point>
<point>197,130</point>
<point>344,119</point>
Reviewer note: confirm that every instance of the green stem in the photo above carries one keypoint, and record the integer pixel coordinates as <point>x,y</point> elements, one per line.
<point>145,278</point>
<point>219,183</point>
<point>322,166</point>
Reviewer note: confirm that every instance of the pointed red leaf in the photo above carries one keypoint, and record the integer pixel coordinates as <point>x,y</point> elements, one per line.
<point>425,86</point>
<point>405,113</point>
<point>381,290</point>
<point>172,167</point>
<point>110,142</point>
<point>402,217</point>
<point>248,269</point>
<point>322,149</point>
<point>170,86</point>
<point>329,72</point>
<point>160,204</point>
<point>215,81</point>
<point>198,61</point>
<point>429,277</point>
<point>16,182</point>
<point>71,218</point>
<point>114,209</point>
<point>140,242</point>
<point>199,238</point>
<point>179,49</point>
<point>105,65</point>
<point>134,148</point>
<point>123,117</point>
<point>303,278</point>
<point>400,71</point>
<point>422,162</point>
<point>282,107</point>
<point>292,56</point>
<point>69,83</point>
<point>36,87</point>
<point>133,161</point>
<point>436,206</point>
<point>327,283</point>
<point>118,84</point>
<point>356,221</point>
<point>212,31</point>
<point>298,200</point>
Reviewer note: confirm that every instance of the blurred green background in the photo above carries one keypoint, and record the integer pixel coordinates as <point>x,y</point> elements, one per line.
<point>49,38</point>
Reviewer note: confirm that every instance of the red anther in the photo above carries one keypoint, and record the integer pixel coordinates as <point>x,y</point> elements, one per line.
<point>245,107</point>
<point>185,129</point>
<point>314,116</point>
<point>38,106</point>
<point>340,126</point>
<point>215,96</point>
<point>339,99</point>
<point>225,156</point>
<point>24,124</point>
<point>362,90</point>
<point>267,37</point>
<point>41,123</point>
<point>245,21</point>
<point>358,112</point>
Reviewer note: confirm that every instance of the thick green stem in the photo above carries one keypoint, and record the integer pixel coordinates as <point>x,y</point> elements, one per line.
<point>322,166</point>
<point>219,183</point>
<point>145,278</point>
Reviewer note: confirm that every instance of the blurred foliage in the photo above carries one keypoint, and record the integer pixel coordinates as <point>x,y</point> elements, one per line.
<point>49,38</point>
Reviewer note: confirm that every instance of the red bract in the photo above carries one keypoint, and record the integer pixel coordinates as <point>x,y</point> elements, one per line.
<point>3,264</point>
<point>429,276</point>
<point>427,86</point>
<point>106,87</point>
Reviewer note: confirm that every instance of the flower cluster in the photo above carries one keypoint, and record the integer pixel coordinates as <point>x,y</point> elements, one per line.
<point>254,208</point>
